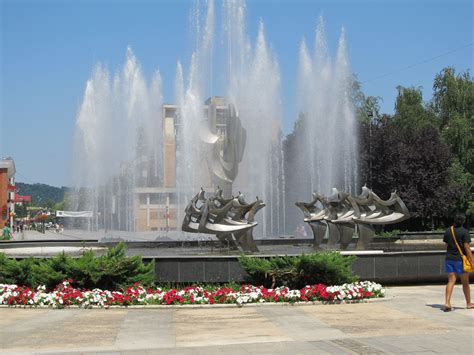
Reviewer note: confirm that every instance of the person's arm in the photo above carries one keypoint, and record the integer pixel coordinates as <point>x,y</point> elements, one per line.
<point>467,250</point>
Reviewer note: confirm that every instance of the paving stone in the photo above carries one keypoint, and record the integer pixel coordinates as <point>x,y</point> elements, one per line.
<point>409,321</point>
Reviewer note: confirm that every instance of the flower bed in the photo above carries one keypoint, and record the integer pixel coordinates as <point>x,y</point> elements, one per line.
<point>65,295</point>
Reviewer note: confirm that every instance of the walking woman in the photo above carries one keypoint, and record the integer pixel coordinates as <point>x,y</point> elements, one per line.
<point>453,262</point>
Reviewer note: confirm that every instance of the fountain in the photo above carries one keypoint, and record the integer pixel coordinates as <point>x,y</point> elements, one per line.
<point>119,122</point>
<point>138,161</point>
<point>324,143</point>
<point>141,177</point>
<point>252,85</point>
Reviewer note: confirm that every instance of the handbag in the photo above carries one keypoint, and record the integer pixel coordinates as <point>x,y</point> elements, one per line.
<point>466,264</point>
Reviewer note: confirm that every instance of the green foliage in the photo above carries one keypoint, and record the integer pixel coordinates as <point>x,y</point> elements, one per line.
<point>326,268</point>
<point>65,203</point>
<point>111,270</point>
<point>329,268</point>
<point>280,270</point>
<point>389,234</point>
<point>13,271</point>
<point>369,111</point>
<point>410,112</point>
<point>21,210</point>
<point>453,105</point>
<point>417,168</point>
<point>115,270</point>
<point>43,195</point>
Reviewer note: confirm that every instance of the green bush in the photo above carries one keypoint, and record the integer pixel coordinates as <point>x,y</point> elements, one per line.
<point>329,268</point>
<point>13,271</point>
<point>271,272</point>
<point>111,270</point>
<point>326,268</point>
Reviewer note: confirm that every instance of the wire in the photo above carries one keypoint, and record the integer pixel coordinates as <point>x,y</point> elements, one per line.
<point>418,63</point>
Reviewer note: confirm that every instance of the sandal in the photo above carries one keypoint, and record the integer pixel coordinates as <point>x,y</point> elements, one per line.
<point>447,309</point>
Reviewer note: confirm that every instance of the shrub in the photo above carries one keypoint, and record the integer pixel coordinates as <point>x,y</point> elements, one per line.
<point>111,270</point>
<point>270,272</point>
<point>114,270</point>
<point>17,271</point>
<point>330,268</point>
<point>326,268</point>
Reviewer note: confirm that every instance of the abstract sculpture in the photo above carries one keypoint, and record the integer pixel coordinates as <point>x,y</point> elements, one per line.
<point>232,220</point>
<point>224,144</point>
<point>340,214</point>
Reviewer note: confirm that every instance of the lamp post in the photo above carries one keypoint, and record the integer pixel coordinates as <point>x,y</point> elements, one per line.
<point>11,201</point>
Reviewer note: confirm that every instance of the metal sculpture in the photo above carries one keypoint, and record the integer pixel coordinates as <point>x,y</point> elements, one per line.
<point>340,214</point>
<point>231,219</point>
<point>224,144</point>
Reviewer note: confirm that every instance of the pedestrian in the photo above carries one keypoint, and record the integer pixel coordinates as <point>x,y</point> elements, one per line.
<point>6,232</point>
<point>457,240</point>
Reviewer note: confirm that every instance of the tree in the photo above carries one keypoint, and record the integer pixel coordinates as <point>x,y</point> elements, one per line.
<point>21,210</point>
<point>453,106</point>
<point>417,169</point>
<point>410,112</point>
<point>368,115</point>
<point>425,151</point>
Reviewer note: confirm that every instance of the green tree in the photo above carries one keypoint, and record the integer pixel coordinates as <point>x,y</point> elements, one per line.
<point>368,116</point>
<point>410,112</point>
<point>21,210</point>
<point>417,168</point>
<point>453,105</point>
<point>65,203</point>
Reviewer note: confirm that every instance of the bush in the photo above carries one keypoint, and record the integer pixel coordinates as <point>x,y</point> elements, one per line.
<point>329,268</point>
<point>111,270</point>
<point>275,271</point>
<point>326,268</point>
<point>13,271</point>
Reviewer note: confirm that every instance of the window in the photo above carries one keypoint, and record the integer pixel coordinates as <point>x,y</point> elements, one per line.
<point>157,199</point>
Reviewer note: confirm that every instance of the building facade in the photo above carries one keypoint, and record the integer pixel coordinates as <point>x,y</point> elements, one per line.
<point>7,191</point>
<point>154,197</point>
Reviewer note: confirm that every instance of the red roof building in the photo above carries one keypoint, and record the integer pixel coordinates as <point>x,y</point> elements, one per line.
<point>23,198</point>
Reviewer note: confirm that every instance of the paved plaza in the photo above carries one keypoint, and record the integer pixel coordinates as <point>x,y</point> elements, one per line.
<point>409,320</point>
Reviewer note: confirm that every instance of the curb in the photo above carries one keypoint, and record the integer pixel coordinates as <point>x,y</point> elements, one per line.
<point>228,305</point>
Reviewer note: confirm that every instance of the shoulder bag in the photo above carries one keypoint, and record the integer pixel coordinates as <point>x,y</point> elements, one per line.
<point>466,264</point>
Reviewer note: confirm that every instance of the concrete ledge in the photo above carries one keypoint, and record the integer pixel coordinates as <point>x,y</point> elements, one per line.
<point>225,305</point>
<point>376,265</point>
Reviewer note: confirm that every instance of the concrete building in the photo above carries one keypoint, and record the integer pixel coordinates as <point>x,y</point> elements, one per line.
<point>7,191</point>
<point>155,203</point>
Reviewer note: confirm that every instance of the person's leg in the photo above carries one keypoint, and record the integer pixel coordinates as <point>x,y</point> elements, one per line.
<point>466,289</point>
<point>449,290</point>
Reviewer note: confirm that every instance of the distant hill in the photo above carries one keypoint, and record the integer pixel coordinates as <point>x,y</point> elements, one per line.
<point>43,195</point>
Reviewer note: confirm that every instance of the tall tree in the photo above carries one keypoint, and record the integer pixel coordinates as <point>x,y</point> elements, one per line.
<point>453,105</point>
<point>410,112</point>
<point>416,168</point>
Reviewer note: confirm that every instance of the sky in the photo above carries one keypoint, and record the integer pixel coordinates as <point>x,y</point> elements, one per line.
<point>48,50</point>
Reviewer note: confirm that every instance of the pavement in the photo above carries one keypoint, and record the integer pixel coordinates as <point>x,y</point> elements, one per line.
<point>409,320</point>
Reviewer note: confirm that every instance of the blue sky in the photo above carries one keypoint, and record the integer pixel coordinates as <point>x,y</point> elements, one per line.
<point>49,49</point>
